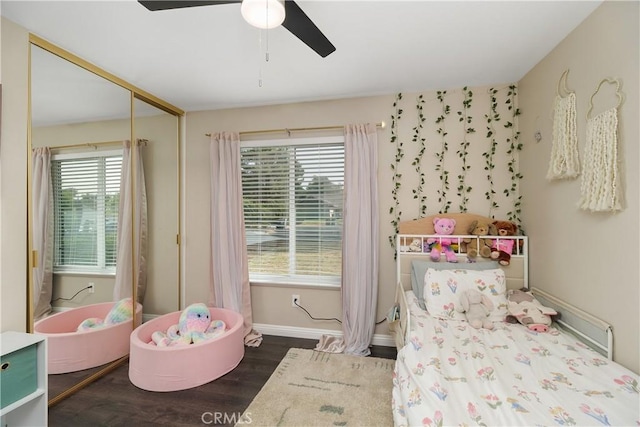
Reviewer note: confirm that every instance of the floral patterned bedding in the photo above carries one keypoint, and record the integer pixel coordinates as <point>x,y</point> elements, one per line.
<point>452,374</point>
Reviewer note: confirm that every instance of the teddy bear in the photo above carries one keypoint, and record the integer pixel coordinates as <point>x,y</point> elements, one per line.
<point>528,310</point>
<point>477,308</point>
<point>415,246</point>
<point>501,249</point>
<point>442,227</point>
<point>479,228</point>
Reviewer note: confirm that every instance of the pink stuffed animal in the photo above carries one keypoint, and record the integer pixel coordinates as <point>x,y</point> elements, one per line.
<point>194,326</point>
<point>528,310</point>
<point>444,227</point>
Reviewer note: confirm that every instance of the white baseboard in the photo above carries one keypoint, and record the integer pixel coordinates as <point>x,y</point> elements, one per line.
<point>312,333</point>
<point>298,332</point>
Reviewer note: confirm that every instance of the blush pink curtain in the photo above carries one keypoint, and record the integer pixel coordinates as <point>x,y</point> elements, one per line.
<point>42,239</point>
<point>360,238</point>
<point>131,209</point>
<point>359,244</point>
<point>229,269</point>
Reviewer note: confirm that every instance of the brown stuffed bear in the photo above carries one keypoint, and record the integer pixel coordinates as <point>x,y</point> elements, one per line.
<point>501,250</point>
<point>479,228</point>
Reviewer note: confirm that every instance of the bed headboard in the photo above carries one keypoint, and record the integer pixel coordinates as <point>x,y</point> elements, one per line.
<point>425,225</point>
<point>517,273</point>
<point>589,329</point>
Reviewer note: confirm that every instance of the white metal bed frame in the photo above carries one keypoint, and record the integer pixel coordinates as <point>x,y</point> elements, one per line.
<point>588,328</point>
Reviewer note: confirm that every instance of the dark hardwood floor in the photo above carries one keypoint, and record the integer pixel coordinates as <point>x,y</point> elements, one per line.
<point>114,401</point>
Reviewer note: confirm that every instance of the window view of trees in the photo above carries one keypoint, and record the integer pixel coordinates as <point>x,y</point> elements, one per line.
<point>292,199</point>
<point>86,202</point>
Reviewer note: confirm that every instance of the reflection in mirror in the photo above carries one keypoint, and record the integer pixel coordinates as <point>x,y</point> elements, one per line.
<point>158,131</point>
<point>83,119</point>
<point>80,117</point>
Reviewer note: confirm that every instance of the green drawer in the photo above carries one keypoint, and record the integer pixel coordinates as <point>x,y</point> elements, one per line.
<point>19,375</point>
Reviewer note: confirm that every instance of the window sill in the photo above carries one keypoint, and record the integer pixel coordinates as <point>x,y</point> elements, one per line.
<point>298,285</point>
<point>76,273</point>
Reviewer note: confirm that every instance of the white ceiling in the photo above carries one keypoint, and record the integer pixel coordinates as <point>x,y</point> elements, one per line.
<point>202,58</point>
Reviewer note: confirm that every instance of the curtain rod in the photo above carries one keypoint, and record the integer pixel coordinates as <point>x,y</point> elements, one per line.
<point>289,130</point>
<point>95,145</point>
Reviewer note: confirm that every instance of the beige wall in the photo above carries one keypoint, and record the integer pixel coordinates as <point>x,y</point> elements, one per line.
<point>589,259</point>
<point>13,193</point>
<point>272,304</point>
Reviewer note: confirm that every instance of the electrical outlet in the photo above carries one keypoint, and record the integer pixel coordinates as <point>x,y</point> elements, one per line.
<point>295,299</point>
<point>92,287</point>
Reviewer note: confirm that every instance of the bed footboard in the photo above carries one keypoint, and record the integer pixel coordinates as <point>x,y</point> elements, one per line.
<point>589,329</point>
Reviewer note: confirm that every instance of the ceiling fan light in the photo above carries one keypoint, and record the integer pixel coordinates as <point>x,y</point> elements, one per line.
<point>264,14</point>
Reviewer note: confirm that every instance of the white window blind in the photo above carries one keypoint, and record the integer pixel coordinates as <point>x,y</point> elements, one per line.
<point>86,192</point>
<point>292,197</point>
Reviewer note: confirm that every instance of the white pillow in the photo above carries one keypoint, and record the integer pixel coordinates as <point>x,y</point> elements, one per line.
<point>442,290</point>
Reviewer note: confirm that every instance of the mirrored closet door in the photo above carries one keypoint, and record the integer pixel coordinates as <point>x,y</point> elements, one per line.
<point>97,142</point>
<point>157,131</point>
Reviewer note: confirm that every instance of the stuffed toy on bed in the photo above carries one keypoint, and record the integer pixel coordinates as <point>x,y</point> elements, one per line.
<point>479,245</point>
<point>120,312</point>
<point>501,250</point>
<point>477,308</point>
<point>442,227</point>
<point>194,326</point>
<point>528,310</point>
<point>415,246</point>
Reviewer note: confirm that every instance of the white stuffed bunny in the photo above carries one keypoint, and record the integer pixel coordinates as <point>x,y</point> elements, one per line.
<point>477,308</point>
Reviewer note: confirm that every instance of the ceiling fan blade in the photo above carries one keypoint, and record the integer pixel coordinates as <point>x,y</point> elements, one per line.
<point>178,4</point>
<point>296,21</point>
<point>299,24</point>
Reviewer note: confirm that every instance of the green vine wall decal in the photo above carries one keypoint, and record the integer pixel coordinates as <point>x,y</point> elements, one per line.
<point>465,119</point>
<point>395,167</point>
<point>514,147</point>
<point>418,192</point>
<point>444,147</point>
<point>489,155</point>
<point>431,131</point>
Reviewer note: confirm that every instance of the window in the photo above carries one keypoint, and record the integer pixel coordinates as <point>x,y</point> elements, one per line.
<point>86,194</point>
<point>292,198</point>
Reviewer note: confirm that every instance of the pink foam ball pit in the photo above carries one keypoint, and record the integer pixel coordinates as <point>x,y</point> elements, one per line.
<point>175,368</point>
<point>70,350</point>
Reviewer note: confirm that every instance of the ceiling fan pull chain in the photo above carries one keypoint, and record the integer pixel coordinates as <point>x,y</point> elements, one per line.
<point>266,31</point>
<point>266,51</point>
<point>259,62</point>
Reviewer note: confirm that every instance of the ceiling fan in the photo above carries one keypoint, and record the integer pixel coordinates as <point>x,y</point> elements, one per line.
<point>295,20</point>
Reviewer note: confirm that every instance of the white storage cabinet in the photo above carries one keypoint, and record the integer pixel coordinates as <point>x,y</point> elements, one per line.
<point>23,380</point>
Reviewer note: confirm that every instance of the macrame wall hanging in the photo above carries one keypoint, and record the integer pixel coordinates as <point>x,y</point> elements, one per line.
<point>564,162</point>
<point>600,180</point>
